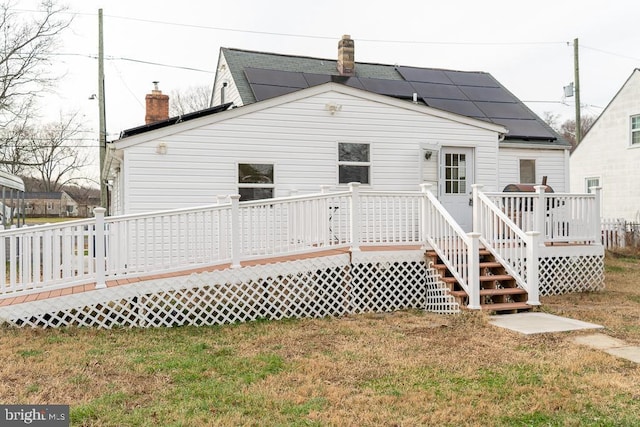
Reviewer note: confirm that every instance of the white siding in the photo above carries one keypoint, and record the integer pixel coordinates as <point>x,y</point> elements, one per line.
<point>605,152</point>
<point>551,163</point>
<point>231,93</point>
<point>300,138</point>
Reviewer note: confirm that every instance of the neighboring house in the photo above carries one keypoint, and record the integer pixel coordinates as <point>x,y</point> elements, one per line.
<point>85,209</point>
<point>609,154</point>
<point>54,203</point>
<point>300,123</point>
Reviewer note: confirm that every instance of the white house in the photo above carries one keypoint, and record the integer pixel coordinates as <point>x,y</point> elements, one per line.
<point>609,154</point>
<point>283,125</point>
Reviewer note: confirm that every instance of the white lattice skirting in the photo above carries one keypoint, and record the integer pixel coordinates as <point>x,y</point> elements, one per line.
<point>561,275</point>
<point>317,287</point>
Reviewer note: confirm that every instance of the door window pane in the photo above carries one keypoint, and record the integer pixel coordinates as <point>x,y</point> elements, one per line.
<point>455,172</point>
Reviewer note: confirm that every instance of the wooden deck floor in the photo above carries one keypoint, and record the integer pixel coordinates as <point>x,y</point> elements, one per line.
<point>88,287</point>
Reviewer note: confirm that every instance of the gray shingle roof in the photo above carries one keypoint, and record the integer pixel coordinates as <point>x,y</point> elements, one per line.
<point>470,93</point>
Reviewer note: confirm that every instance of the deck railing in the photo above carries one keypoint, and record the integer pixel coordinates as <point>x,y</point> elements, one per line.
<point>231,232</point>
<point>457,249</point>
<point>511,246</point>
<point>560,217</point>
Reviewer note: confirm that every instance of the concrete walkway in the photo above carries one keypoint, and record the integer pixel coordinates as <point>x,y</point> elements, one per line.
<point>538,323</point>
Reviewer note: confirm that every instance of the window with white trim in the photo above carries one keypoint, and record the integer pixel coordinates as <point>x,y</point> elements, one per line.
<point>527,171</point>
<point>592,182</point>
<point>255,181</point>
<point>635,130</point>
<point>354,163</point>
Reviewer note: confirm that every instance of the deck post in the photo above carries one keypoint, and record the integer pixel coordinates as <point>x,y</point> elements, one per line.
<point>424,226</point>
<point>539,209</point>
<point>235,230</point>
<point>354,219</point>
<point>597,220</point>
<point>473,277</point>
<point>99,248</point>
<point>475,190</point>
<point>533,283</point>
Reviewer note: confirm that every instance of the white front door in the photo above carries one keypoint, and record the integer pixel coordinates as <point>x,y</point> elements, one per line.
<point>456,178</point>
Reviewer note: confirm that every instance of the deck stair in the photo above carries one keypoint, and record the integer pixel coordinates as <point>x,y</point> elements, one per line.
<point>499,292</point>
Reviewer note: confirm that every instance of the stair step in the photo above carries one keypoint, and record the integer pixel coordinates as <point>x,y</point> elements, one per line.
<point>486,264</point>
<point>505,306</point>
<point>499,277</point>
<point>491,292</point>
<point>490,264</point>
<point>503,291</point>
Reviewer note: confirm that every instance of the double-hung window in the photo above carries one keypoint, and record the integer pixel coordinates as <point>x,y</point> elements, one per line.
<point>635,130</point>
<point>592,182</point>
<point>527,171</point>
<point>255,181</point>
<point>354,163</point>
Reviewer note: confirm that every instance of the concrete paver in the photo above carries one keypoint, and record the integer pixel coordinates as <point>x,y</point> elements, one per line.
<point>610,345</point>
<point>537,323</point>
<point>599,341</point>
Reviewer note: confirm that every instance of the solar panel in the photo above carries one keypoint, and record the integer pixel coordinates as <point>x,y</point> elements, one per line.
<point>316,79</point>
<point>465,108</point>
<point>432,90</point>
<point>525,129</point>
<point>504,110</point>
<point>424,75</point>
<point>349,81</point>
<point>487,94</point>
<point>397,88</point>
<point>262,92</point>
<point>468,78</point>
<point>275,78</point>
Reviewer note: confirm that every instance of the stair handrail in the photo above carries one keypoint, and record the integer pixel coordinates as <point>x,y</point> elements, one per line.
<point>514,248</point>
<point>457,249</point>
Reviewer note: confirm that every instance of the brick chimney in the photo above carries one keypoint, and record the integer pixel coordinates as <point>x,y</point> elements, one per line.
<point>157,105</point>
<point>346,55</point>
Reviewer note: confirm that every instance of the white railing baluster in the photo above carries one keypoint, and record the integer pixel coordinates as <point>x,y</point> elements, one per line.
<point>100,249</point>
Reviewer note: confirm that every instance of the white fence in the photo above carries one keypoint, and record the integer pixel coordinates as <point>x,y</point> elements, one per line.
<point>620,233</point>
<point>230,232</point>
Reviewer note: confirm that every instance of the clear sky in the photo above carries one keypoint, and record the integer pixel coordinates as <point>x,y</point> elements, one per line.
<point>527,46</point>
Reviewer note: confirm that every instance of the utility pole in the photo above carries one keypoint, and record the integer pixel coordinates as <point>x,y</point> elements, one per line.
<point>103,125</point>
<point>577,89</point>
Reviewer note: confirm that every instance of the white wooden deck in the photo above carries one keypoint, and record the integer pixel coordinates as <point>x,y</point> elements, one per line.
<point>367,236</point>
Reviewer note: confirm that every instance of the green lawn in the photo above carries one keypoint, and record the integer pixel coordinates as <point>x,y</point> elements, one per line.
<point>400,369</point>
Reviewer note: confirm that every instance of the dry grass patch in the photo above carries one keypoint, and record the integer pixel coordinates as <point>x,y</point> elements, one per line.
<point>405,368</point>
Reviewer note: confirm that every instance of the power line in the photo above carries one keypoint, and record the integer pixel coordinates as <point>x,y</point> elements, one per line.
<point>309,36</point>
<point>116,58</point>
<point>610,53</point>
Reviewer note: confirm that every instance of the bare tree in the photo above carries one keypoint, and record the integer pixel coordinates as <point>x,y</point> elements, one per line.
<point>15,152</point>
<point>57,155</point>
<point>194,98</point>
<point>567,129</point>
<point>25,47</point>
